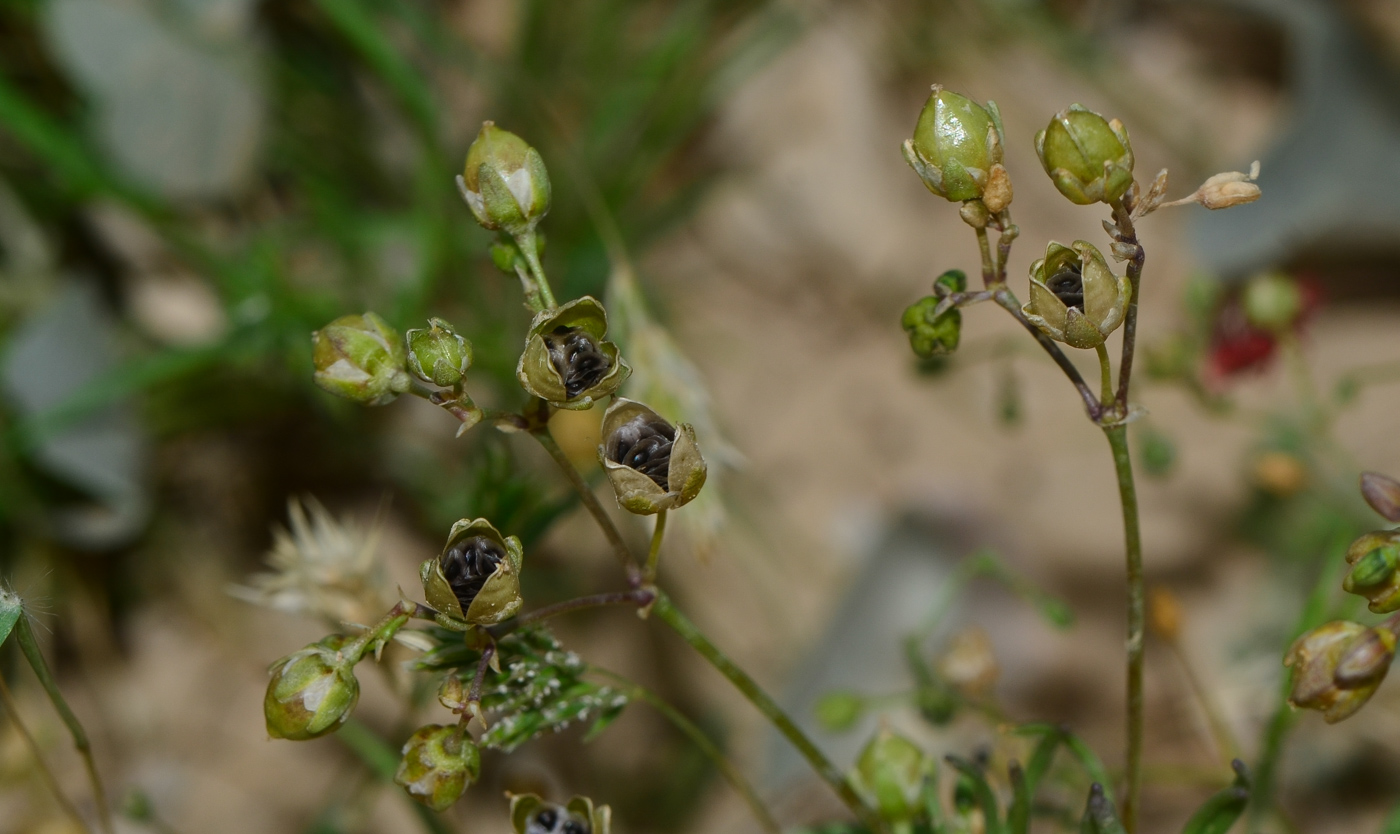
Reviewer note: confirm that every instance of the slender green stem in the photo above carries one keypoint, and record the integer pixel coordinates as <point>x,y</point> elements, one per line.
<point>989,266</point>
<point>1123,217</point>
<point>1225,742</point>
<point>654,552</point>
<point>640,597</point>
<point>1012,305</point>
<point>1105,376</point>
<point>381,632</point>
<point>1127,494</point>
<point>30,647</point>
<point>750,689</point>
<point>40,765</point>
<point>595,508</point>
<point>688,728</point>
<point>529,247</point>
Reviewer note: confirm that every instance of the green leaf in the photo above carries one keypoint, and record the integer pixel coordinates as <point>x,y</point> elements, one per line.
<point>1100,817</point>
<point>982,792</point>
<point>1217,814</point>
<point>11,609</point>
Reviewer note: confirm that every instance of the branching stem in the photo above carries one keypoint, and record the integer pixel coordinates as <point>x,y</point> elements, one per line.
<point>654,552</point>
<point>640,597</point>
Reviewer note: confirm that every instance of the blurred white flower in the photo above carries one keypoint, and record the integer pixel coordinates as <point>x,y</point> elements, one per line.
<point>325,567</point>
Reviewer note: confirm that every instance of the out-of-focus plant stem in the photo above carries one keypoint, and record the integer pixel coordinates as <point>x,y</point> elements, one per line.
<point>590,501</point>
<point>1127,493</point>
<point>40,765</point>
<point>24,635</point>
<point>702,742</point>
<point>679,623</point>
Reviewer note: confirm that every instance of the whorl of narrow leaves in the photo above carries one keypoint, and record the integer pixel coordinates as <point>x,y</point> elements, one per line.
<point>540,688</point>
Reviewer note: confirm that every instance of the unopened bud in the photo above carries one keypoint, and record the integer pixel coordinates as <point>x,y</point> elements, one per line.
<point>1087,156</point>
<point>360,358</point>
<point>1316,659</point>
<point>312,691</point>
<point>1382,493</point>
<point>956,143</point>
<point>890,774</point>
<point>439,762</point>
<point>1374,558</point>
<point>438,354</point>
<point>504,181</point>
<point>1272,301</point>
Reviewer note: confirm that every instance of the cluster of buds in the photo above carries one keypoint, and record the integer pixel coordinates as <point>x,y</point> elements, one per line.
<point>529,814</point>
<point>934,323</point>
<point>1338,666</point>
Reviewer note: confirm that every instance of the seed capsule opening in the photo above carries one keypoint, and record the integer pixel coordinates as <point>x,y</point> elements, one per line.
<point>645,445</point>
<point>1068,286</point>
<point>552,819</point>
<point>468,564</point>
<point>576,357</point>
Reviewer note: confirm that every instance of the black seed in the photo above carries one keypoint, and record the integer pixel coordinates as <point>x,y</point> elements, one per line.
<point>468,564</point>
<point>1068,286</point>
<point>576,357</point>
<point>644,444</point>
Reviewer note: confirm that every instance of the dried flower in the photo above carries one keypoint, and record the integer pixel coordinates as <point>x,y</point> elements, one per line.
<point>566,360</point>
<point>438,764</point>
<point>360,358</point>
<point>476,578</point>
<point>1338,666</point>
<point>1075,299</point>
<point>1087,156</point>
<point>504,181</point>
<point>970,663</point>
<point>653,466</point>
<point>1224,190</point>
<point>956,150</point>
<point>322,566</point>
<point>312,691</point>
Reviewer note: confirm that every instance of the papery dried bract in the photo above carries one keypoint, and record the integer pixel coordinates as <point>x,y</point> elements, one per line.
<point>566,361</point>
<point>439,763</point>
<point>652,465</point>
<point>1382,492</point>
<point>452,588</point>
<point>1075,298</point>
<point>1088,157</point>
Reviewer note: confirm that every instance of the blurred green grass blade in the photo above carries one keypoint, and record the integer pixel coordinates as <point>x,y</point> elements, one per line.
<point>1392,822</point>
<point>1219,813</point>
<point>985,796</point>
<point>130,378</point>
<point>353,20</point>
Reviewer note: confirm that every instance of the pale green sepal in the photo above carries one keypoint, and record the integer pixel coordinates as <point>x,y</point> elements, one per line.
<point>687,465</point>
<point>499,599</point>
<point>1048,308</point>
<point>499,203</point>
<point>1073,188</point>
<point>1080,332</point>
<point>961,183</point>
<point>437,590</point>
<point>1103,291</point>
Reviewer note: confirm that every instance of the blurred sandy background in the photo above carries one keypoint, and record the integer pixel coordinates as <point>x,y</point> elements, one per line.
<point>784,284</point>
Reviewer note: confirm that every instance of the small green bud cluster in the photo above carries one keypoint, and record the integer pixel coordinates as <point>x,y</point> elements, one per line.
<point>934,323</point>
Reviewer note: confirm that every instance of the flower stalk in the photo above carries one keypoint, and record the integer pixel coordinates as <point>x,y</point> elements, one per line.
<point>1132,535</point>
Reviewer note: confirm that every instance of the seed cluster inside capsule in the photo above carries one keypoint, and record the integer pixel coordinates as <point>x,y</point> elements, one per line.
<point>644,444</point>
<point>1068,286</point>
<point>576,357</point>
<point>551,819</point>
<point>467,565</point>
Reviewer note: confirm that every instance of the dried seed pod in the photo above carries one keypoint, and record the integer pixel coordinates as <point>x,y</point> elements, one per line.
<point>530,814</point>
<point>567,361</point>
<point>1075,298</point>
<point>439,763</point>
<point>652,465</point>
<point>476,578</point>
